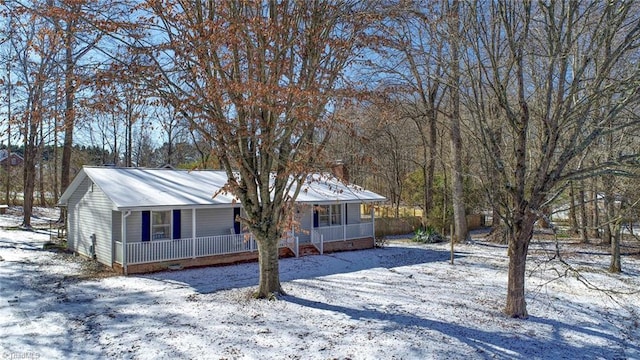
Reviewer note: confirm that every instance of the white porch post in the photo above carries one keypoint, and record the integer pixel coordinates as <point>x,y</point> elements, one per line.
<point>373,221</point>
<point>193,232</point>
<point>344,221</point>
<point>125,254</point>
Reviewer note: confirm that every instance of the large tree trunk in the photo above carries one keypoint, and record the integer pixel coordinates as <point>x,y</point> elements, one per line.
<point>616,264</point>
<point>8,168</point>
<point>69,111</point>
<point>584,221</point>
<point>573,218</point>
<point>594,225</point>
<point>431,166</point>
<point>518,247</point>
<point>269,268</point>
<point>29,170</point>
<point>457,194</point>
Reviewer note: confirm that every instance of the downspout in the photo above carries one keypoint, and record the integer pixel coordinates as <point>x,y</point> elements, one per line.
<point>124,241</point>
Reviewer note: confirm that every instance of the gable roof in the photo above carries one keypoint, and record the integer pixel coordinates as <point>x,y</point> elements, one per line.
<point>130,188</point>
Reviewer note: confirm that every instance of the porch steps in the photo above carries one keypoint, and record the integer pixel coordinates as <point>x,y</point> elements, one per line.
<point>307,249</point>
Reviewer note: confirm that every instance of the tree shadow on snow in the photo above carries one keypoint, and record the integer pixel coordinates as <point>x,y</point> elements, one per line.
<point>50,313</point>
<point>212,279</point>
<point>487,344</point>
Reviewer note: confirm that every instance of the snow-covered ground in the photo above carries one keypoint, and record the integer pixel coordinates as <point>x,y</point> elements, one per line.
<point>404,301</point>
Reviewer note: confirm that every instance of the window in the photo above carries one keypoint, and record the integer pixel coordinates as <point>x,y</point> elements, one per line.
<point>336,214</point>
<point>161,225</point>
<point>329,215</point>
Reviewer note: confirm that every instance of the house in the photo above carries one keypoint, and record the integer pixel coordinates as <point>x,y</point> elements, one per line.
<point>140,220</point>
<point>7,158</point>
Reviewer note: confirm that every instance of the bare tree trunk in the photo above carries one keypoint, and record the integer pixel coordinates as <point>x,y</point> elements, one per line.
<point>56,185</point>
<point>518,247</point>
<point>8,167</point>
<point>616,265</point>
<point>594,225</point>
<point>457,186</point>
<point>584,220</point>
<point>573,219</point>
<point>609,212</point>
<point>69,111</point>
<point>431,167</point>
<point>43,200</point>
<point>269,284</point>
<point>129,161</point>
<point>29,170</point>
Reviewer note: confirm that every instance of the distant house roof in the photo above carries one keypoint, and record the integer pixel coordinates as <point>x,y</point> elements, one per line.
<point>5,155</point>
<point>130,188</point>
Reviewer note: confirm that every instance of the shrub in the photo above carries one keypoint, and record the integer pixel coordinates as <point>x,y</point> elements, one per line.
<point>429,235</point>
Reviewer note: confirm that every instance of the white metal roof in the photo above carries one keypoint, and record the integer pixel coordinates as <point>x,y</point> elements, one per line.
<point>130,188</point>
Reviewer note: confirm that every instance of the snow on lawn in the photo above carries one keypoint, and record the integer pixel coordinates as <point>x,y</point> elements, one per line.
<point>404,301</point>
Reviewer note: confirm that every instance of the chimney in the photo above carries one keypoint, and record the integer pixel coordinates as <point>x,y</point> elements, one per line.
<point>339,170</point>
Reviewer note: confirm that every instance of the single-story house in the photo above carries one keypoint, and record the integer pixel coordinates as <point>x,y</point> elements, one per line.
<point>140,220</point>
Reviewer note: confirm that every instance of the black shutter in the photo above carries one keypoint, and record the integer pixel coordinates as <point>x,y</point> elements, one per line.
<point>177,233</point>
<point>315,216</point>
<point>346,212</point>
<point>236,224</point>
<point>146,225</point>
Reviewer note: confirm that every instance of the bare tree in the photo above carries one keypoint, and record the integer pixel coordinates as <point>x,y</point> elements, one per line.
<point>255,77</point>
<point>411,58</point>
<point>524,56</point>
<point>457,187</point>
<point>36,45</point>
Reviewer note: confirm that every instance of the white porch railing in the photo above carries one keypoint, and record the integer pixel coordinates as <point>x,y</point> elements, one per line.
<point>358,231</point>
<point>347,232</point>
<point>290,242</point>
<point>340,233</point>
<point>330,233</point>
<point>166,250</point>
<point>224,244</point>
<point>317,241</point>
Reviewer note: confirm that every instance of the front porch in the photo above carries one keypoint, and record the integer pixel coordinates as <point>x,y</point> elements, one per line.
<point>158,255</point>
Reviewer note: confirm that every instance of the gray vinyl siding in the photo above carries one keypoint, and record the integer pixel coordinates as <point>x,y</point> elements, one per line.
<point>353,214</point>
<point>116,225</point>
<point>89,216</point>
<point>211,222</point>
<point>306,224</point>
<point>186,223</point>
<point>134,227</point>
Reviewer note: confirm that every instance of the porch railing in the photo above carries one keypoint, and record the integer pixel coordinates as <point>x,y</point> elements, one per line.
<point>167,250</point>
<point>317,241</point>
<point>224,244</point>
<point>291,242</point>
<point>358,231</point>
<point>347,232</point>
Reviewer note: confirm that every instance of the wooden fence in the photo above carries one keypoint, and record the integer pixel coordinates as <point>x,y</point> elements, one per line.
<point>388,226</point>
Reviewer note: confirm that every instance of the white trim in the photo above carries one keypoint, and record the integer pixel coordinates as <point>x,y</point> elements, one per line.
<point>193,232</point>
<point>344,221</point>
<point>125,215</point>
